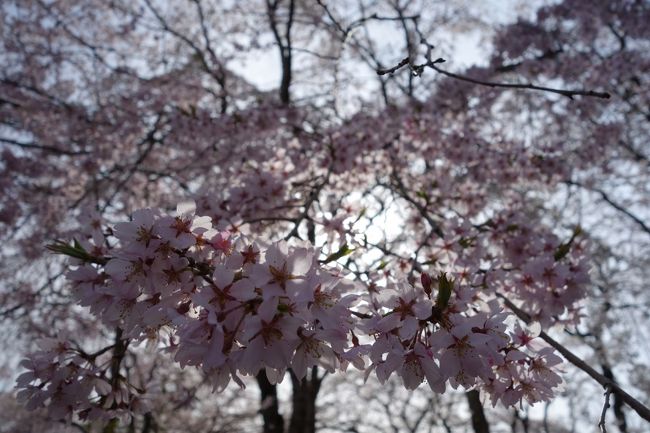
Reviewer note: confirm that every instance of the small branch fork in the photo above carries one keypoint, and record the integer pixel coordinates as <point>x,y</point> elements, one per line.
<point>345,31</point>
<point>418,69</point>
<point>601,423</point>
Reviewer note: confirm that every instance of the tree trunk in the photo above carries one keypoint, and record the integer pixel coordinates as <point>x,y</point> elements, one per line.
<point>270,410</point>
<point>479,422</point>
<point>305,391</point>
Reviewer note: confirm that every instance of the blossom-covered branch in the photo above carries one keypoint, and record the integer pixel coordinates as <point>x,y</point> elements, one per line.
<point>233,308</point>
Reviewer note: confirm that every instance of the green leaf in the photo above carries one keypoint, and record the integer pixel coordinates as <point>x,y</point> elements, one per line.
<point>565,247</point>
<point>75,250</point>
<point>342,252</point>
<point>562,251</point>
<point>382,265</point>
<point>445,287</point>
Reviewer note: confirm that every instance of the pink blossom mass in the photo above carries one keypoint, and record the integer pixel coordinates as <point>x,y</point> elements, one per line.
<point>293,216</point>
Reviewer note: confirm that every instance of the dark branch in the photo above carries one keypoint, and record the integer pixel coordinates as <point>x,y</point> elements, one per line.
<point>639,408</point>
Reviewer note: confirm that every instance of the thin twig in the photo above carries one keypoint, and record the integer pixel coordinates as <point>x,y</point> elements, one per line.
<point>417,69</point>
<point>43,147</point>
<point>313,196</point>
<point>601,423</point>
<point>401,64</point>
<point>569,93</point>
<point>402,191</point>
<point>614,204</point>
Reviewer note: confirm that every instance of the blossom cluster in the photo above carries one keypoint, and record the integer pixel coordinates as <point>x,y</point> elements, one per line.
<point>233,308</point>
<point>66,379</point>
<point>450,339</point>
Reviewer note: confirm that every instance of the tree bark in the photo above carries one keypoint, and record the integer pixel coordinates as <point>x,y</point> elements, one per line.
<point>305,391</point>
<point>479,422</point>
<point>284,44</point>
<point>270,410</point>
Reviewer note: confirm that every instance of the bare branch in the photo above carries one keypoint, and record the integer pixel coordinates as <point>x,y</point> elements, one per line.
<point>417,70</point>
<point>569,93</point>
<point>601,423</point>
<point>615,205</point>
<point>43,147</point>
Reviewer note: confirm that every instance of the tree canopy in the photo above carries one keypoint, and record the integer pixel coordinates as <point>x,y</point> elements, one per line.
<point>301,196</point>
